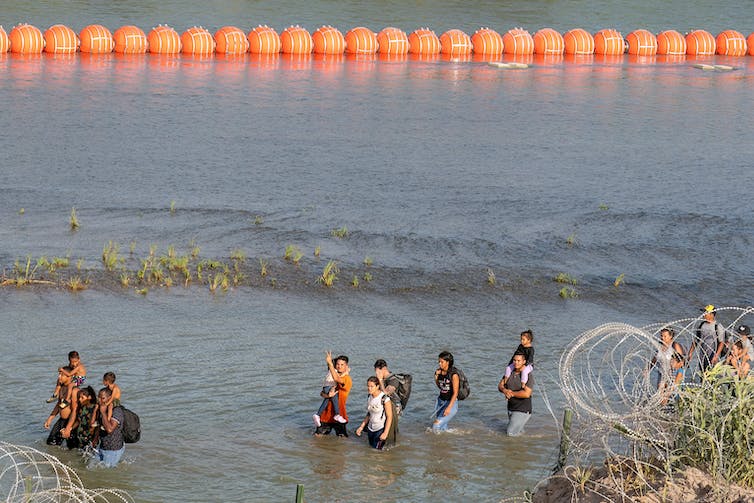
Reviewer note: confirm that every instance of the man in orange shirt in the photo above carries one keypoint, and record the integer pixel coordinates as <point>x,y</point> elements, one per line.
<point>339,370</point>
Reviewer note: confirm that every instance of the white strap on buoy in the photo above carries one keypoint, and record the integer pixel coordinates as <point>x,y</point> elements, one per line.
<point>508,66</point>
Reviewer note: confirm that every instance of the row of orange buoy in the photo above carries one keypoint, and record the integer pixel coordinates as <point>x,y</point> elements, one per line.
<point>60,39</point>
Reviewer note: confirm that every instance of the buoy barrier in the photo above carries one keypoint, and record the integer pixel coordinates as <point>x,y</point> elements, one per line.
<point>548,42</point>
<point>60,39</point>
<point>487,41</point>
<point>609,42</point>
<point>328,40</point>
<point>642,43</point>
<point>198,41</point>
<point>264,40</point>
<point>392,40</point>
<point>164,40</point>
<point>4,41</point>
<point>423,41</point>
<point>455,43</point>
<point>700,43</point>
<point>26,39</point>
<point>130,39</point>
<point>231,40</point>
<point>96,39</point>
<point>671,43</point>
<point>578,42</point>
<point>518,41</point>
<point>296,40</point>
<point>750,43</point>
<point>361,40</point>
<point>731,43</point>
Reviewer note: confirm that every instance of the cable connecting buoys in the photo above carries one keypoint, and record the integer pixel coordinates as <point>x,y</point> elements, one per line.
<point>130,39</point>
<point>96,39</point>
<point>671,43</point>
<point>264,40</point>
<point>730,43</point>
<point>578,42</point>
<point>455,43</point>
<point>60,39</point>
<point>518,41</point>
<point>164,40</point>
<point>295,40</point>
<point>700,43</point>
<point>642,43</point>
<point>328,40</point>
<point>548,42</point>
<point>392,40</point>
<point>361,40</point>
<point>487,41</point>
<point>423,41</point>
<point>26,39</point>
<point>197,40</point>
<point>4,41</point>
<point>231,40</point>
<point>609,42</point>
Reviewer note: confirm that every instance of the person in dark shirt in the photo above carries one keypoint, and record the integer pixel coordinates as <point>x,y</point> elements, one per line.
<point>525,348</point>
<point>111,444</point>
<point>518,395</point>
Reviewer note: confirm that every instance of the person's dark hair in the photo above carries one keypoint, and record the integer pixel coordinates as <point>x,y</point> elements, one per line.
<point>107,391</point>
<point>109,377</point>
<point>519,353</point>
<point>341,357</point>
<point>374,380</point>
<point>448,357</point>
<point>668,330</point>
<point>68,368</point>
<point>73,354</point>
<point>739,344</point>
<point>380,364</point>
<point>88,391</point>
<point>529,334</point>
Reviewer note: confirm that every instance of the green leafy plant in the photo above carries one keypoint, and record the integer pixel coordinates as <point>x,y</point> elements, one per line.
<point>619,280</point>
<point>568,292</point>
<point>491,279</point>
<point>329,274</point>
<point>74,221</point>
<point>565,278</point>
<point>340,233</point>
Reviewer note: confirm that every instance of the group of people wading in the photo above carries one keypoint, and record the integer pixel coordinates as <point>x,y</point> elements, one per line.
<point>388,394</point>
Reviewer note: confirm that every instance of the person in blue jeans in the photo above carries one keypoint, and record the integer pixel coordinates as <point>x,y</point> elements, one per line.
<point>447,380</point>
<point>111,444</point>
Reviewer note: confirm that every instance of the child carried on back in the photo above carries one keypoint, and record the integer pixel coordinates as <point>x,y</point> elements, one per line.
<point>527,338</point>
<point>75,376</point>
<point>329,388</point>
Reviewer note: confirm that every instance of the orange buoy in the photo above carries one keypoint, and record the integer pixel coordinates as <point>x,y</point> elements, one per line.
<point>609,42</point>
<point>519,42</point>
<point>4,41</point>
<point>548,41</point>
<point>392,40</point>
<point>231,40</point>
<point>26,39</point>
<point>96,39</point>
<point>130,39</point>
<point>578,42</point>
<point>731,43</point>
<point>671,43</point>
<point>487,41</point>
<point>197,40</point>
<point>164,40</point>
<point>700,43</point>
<point>328,40</point>
<point>455,43</point>
<point>642,43</point>
<point>750,43</point>
<point>296,40</point>
<point>361,40</point>
<point>60,39</point>
<point>423,41</point>
<point>264,40</point>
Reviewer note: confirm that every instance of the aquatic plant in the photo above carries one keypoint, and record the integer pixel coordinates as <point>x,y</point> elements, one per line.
<point>125,280</point>
<point>110,257</point>
<point>565,278</point>
<point>355,281</point>
<point>142,291</point>
<point>21,211</point>
<point>74,221</point>
<point>79,264</point>
<point>262,267</point>
<point>171,251</point>
<point>329,274</point>
<point>258,220</point>
<point>293,254</point>
<point>603,207</point>
<point>367,276</point>
<point>316,251</point>
<point>131,247</point>
<point>619,280</point>
<point>172,207</point>
<point>571,240</point>
<point>568,292</point>
<point>75,284</point>
<point>491,279</point>
<point>340,233</point>
<point>238,255</point>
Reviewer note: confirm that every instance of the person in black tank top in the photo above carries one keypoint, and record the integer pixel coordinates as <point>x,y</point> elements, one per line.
<point>448,382</point>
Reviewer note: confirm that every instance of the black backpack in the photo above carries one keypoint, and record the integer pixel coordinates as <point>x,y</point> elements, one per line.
<point>403,390</point>
<point>463,384</point>
<point>131,426</point>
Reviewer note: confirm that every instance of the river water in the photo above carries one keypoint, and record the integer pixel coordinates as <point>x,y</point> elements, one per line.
<point>439,169</point>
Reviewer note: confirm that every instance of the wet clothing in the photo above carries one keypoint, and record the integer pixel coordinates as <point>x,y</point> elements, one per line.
<point>78,381</point>
<point>664,359</point>
<point>327,417</point>
<point>445,383</point>
<point>514,384</point>
<point>113,441</point>
<point>376,411</point>
<point>441,422</point>
<point>83,432</point>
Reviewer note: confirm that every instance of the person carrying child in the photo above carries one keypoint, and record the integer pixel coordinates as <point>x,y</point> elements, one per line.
<point>330,392</point>
<point>77,377</point>
<point>526,349</point>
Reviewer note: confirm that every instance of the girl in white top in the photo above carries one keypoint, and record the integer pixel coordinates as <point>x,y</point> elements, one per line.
<point>379,416</point>
<point>670,361</point>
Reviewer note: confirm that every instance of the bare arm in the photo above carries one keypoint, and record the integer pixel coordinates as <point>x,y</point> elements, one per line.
<point>455,383</point>
<point>388,419</point>
<point>106,417</point>
<point>52,415</point>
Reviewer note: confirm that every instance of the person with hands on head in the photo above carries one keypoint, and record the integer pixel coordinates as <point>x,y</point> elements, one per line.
<point>447,380</point>
<point>379,416</point>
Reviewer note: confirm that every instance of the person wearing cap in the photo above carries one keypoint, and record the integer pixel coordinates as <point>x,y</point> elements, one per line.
<point>710,339</point>
<point>743,333</point>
